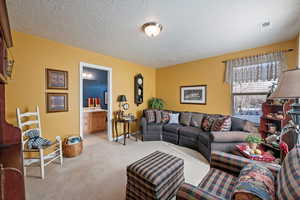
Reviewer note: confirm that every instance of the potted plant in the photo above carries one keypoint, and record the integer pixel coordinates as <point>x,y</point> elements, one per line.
<point>253,141</point>
<point>156,103</point>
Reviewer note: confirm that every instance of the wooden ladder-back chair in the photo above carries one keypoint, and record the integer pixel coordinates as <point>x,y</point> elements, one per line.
<point>29,121</point>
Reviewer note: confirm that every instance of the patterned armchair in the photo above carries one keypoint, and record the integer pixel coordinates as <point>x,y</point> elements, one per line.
<point>221,180</point>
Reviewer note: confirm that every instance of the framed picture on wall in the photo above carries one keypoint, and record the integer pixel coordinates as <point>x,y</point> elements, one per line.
<point>57,102</point>
<point>56,79</point>
<point>195,94</point>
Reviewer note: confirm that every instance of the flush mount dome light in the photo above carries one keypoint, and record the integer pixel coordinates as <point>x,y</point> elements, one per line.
<point>152,29</point>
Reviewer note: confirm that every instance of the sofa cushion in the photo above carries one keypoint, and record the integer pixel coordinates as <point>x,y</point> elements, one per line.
<point>230,136</point>
<point>185,118</point>
<point>250,127</point>
<point>150,115</point>
<point>256,181</point>
<point>158,116</point>
<point>190,131</point>
<point>237,124</point>
<point>195,133</point>
<point>154,126</point>
<point>196,119</point>
<point>174,128</point>
<point>222,124</point>
<point>219,183</point>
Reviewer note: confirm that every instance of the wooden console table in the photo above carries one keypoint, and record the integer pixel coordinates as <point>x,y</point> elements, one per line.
<point>126,127</point>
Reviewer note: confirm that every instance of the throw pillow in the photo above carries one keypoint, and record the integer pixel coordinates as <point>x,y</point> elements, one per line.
<point>38,142</point>
<point>255,182</point>
<point>150,116</point>
<point>174,118</point>
<point>207,123</point>
<point>222,124</point>
<point>165,117</point>
<point>158,116</point>
<point>185,118</point>
<point>250,127</point>
<point>237,124</point>
<point>196,119</point>
<point>33,133</point>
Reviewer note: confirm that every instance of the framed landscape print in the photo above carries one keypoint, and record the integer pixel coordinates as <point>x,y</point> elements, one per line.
<point>57,102</point>
<point>195,94</point>
<point>57,79</point>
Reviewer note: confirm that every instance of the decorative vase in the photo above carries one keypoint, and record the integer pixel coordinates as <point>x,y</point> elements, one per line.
<point>253,146</point>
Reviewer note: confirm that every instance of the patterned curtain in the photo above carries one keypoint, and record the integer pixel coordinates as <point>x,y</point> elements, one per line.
<point>265,67</point>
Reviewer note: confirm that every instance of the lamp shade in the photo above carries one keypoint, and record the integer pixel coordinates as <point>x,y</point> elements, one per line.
<point>122,98</point>
<point>289,85</point>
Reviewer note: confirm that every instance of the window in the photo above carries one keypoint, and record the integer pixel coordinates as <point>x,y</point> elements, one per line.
<point>249,93</point>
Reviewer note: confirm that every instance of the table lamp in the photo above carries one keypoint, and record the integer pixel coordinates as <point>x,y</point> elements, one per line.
<point>289,88</point>
<point>121,99</point>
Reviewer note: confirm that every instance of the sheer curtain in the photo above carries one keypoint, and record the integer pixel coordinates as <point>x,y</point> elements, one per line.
<point>265,67</point>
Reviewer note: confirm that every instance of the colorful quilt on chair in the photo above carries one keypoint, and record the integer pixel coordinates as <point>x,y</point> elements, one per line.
<point>256,181</point>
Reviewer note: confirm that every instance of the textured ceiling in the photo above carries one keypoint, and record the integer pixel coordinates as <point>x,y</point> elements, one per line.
<point>193,29</point>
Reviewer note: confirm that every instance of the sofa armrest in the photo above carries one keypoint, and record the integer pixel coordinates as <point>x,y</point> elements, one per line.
<point>189,192</point>
<point>233,163</point>
<point>230,136</point>
<point>143,124</point>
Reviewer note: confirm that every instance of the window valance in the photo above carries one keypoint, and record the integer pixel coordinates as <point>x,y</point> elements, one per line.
<point>265,67</point>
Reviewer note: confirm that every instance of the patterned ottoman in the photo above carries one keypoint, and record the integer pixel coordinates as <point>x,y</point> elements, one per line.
<point>156,176</point>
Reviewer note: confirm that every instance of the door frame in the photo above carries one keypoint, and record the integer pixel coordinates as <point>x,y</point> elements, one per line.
<point>109,96</point>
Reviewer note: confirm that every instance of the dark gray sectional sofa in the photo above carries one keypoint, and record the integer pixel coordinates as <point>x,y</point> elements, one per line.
<point>195,137</point>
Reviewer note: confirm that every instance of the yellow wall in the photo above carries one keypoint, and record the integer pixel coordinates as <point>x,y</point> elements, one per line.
<point>210,72</point>
<point>27,89</point>
<point>33,54</point>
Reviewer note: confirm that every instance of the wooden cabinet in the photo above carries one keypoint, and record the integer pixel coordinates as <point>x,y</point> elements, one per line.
<point>269,118</point>
<point>11,157</point>
<point>95,121</point>
<point>268,108</point>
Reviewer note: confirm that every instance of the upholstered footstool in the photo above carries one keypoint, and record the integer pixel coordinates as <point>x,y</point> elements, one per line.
<point>156,176</point>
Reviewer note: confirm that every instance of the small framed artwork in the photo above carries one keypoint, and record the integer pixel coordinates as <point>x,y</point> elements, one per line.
<point>57,79</point>
<point>195,94</point>
<point>57,102</point>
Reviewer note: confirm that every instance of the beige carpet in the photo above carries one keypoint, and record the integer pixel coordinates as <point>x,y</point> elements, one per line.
<point>100,171</point>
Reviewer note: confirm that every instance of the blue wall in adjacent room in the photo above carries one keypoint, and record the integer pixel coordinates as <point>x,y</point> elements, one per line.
<point>95,87</point>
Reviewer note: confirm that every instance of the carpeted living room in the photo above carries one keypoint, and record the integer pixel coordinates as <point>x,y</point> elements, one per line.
<point>161,100</point>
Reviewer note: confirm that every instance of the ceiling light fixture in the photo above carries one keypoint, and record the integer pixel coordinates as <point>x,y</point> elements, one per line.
<point>87,75</point>
<point>152,29</point>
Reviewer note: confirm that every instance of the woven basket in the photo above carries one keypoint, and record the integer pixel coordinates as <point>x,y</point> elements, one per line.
<point>72,150</point>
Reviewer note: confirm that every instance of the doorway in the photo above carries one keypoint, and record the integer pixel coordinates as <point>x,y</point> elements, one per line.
<point>93,108</point>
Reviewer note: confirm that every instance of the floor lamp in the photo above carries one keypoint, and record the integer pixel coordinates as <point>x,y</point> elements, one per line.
<point>289,88</point>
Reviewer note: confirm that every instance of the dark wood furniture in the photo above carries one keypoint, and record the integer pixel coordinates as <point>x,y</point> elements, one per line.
<point>269,108</point>
<point>126,127</point>
<point>11,157</point>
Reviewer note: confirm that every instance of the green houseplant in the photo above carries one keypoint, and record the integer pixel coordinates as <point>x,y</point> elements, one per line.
<point>156,103</point>
<point>253,141</point>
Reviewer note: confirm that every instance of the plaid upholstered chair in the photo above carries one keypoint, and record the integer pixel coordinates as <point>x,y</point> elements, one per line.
<point>220,182</point>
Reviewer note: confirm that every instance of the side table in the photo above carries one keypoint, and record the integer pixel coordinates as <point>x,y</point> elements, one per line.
<point>126,127</point>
